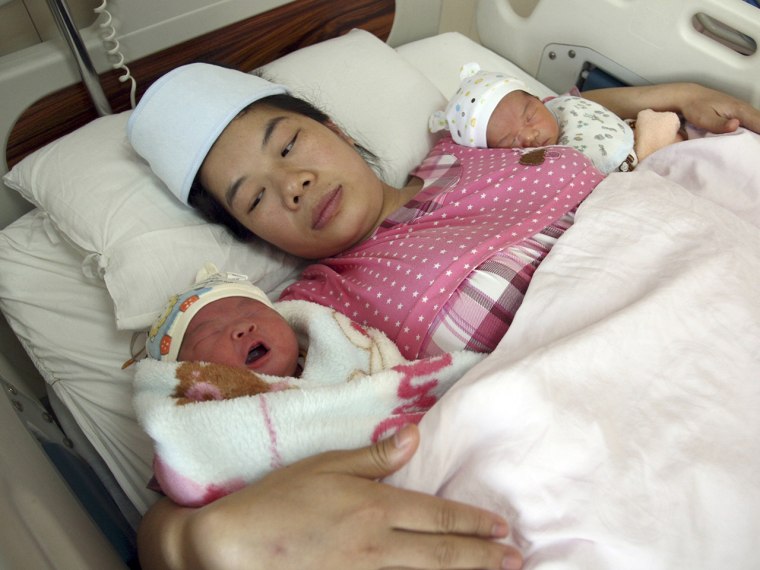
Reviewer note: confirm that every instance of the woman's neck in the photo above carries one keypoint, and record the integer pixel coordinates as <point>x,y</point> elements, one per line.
<point>394,198</point>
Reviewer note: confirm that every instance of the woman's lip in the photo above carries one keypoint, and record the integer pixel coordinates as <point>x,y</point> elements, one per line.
<point>326,209</point>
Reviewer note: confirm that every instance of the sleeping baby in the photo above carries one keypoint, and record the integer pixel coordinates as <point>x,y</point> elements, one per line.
<point>494,110</point>
<point>236,386</point>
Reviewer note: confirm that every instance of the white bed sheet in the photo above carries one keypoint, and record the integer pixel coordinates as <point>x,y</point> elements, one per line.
<point>617,424</point>
<point>64,320</point>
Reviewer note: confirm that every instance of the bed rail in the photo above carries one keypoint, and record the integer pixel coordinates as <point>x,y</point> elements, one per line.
<point>656,41</point>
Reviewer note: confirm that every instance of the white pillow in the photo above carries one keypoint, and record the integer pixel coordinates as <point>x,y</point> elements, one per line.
<point>440,59</point>
<point>103,197</point>
<point>64,322</point>
<point>105,200</point>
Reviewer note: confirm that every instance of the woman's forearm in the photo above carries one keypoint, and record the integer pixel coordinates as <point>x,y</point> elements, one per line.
<point>701,106</point>
<point>626,102</point>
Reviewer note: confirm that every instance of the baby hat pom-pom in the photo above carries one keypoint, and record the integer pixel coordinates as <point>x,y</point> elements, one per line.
<point>468,70</point>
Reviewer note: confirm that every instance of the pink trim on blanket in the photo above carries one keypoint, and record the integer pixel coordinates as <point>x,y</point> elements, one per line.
<point>418,398</point>
<point>276,460</point>
<point>189,493</point>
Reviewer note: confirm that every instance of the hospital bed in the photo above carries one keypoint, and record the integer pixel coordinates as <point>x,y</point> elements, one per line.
<point>615,426</point>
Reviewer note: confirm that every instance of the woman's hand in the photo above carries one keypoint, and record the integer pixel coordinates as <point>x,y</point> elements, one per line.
<point>718,112</point>
<point>328,512</point>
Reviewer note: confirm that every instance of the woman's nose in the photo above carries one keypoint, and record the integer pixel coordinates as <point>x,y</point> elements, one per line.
<point>294,186</point>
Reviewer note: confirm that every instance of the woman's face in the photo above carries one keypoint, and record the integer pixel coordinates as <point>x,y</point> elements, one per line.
<point>294,182</point>
<point>244,333</point>
<point>520,120</point>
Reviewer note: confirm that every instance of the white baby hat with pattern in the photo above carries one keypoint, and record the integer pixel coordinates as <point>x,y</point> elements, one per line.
<point>467,114</point>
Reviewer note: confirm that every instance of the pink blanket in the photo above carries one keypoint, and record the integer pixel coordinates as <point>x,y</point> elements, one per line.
<point>617,424</point>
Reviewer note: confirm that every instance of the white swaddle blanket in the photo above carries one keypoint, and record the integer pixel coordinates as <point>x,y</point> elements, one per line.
<point>216,428</point>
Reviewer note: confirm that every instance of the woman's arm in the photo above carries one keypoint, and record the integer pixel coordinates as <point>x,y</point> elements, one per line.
<point>327,512</point>
<point>703,107</point>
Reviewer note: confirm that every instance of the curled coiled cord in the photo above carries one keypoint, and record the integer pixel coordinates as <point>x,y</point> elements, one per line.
<point>112,47</point>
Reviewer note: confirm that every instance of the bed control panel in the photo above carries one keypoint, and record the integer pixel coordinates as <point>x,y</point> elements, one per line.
<point>37,419</point>
<point>563,66</point>
<point>41,423</point>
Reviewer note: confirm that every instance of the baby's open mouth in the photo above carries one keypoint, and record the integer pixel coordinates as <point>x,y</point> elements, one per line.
<point>256,352</point>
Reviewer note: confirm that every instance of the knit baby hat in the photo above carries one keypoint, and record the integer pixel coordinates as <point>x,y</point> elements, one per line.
<point>467,114</point>
<point>166,334</point>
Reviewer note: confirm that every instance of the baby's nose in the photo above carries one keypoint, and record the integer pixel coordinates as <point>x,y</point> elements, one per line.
<point>529,137</point>
<point>242,329</point>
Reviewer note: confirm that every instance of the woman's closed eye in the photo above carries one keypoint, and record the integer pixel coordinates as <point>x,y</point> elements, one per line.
<point>256,199</point>
<point>289,146</point>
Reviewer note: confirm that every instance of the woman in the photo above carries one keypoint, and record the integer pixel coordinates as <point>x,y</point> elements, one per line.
<point>327,512</point>
<point>270,165</point>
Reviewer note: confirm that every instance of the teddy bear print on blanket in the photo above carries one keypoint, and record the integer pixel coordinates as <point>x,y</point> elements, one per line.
<point>217,428</point>
<point>201,381</point>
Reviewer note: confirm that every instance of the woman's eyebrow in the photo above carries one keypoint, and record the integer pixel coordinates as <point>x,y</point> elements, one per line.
<point>271,126</point>
<point>229,195</point>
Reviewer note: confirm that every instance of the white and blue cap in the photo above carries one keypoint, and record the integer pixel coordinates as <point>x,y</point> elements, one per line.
<point>182,114</point>
<point>469,110</point>
<point>165,336</point>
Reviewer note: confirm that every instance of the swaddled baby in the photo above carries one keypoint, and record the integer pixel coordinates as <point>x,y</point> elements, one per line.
<point>236,386</point>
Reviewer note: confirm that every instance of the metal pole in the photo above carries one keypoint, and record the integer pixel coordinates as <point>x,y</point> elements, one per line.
<point>65,23</point>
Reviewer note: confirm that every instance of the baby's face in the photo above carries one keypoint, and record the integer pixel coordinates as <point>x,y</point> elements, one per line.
<point>520,120</point>
<point>244,333</point>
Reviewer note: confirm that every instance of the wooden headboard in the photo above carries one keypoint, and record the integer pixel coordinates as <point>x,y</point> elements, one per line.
<point>244,45</point>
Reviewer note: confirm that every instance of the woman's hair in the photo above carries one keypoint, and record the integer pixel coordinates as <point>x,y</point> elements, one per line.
<point>210,208</point>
